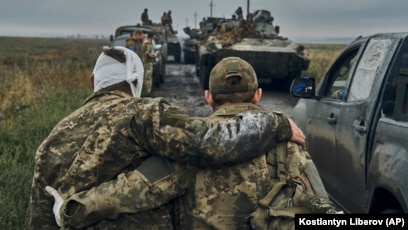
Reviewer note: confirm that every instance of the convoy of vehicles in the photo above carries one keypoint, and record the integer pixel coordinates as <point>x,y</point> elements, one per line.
<point>356,124</point>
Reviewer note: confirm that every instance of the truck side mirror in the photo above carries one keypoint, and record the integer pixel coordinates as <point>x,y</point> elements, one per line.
<point>303,87</point>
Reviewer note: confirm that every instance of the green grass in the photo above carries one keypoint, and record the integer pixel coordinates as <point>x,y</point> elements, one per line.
<point>17,150</point>
<point>42,81</point>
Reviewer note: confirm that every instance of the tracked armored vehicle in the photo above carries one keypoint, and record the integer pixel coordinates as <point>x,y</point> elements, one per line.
<point>173,44</point>
<point>196,36</point>
<point>190,45</point>
<point>276,59</point>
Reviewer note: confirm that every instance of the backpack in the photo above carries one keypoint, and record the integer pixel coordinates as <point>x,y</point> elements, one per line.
<point>300,190</point>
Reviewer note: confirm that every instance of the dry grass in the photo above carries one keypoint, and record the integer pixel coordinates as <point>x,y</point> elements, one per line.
<point>321,56</point>
<point>32,67</point>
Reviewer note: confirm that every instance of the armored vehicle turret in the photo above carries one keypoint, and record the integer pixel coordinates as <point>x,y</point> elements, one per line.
<point>276,59</point>
<point>173,43</point>
<point>190,45</point>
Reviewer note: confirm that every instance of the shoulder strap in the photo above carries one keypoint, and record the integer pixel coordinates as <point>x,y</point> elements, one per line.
<point>280,156</point>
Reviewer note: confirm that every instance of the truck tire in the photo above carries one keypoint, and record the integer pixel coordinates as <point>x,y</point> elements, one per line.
<point>177,58</point>
<point>156,80</point>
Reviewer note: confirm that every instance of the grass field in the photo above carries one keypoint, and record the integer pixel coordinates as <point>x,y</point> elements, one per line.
<point>42,81</point>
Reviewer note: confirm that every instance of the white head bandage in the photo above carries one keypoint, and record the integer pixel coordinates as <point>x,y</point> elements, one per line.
<point>109,71</point>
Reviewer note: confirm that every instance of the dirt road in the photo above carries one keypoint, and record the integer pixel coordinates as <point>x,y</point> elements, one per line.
<point>181,87</point>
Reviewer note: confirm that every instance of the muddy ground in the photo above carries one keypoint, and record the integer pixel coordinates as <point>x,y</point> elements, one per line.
<point>181,87</point>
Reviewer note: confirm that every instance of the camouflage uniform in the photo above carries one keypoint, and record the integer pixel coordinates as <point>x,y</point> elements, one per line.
<point>114,133</point>
<point>224,198</point>
<point>163,19</point>
<point>136,46</point>
<point>145,18</point>
<point>147,59</point>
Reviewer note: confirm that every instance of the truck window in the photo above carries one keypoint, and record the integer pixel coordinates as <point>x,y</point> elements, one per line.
<point>389,97</point>
<point>367,68</point>
<point>339,77</point>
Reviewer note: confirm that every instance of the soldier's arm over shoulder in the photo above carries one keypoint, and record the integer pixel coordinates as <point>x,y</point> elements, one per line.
<point>283,129</point>
<point>170,132</point>
<point>131,192</point>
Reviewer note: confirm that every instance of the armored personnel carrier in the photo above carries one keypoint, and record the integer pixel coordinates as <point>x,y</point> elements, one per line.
<point>173,44</point>
<point>190,45</point>
<point>276,59</point>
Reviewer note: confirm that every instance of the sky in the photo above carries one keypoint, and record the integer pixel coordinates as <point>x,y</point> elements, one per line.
<point>300,19</point>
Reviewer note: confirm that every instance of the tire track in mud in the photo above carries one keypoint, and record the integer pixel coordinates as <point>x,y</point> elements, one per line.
<point>181,87</point>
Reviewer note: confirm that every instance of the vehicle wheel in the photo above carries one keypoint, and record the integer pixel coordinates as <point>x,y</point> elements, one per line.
<point>189,58</point>
<point>161,78</point>
<point>162,73</point>
<point>177,58</point>
<point>156,80</point>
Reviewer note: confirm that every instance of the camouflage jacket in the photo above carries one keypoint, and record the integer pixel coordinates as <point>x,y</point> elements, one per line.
<point>224,198</point>
<point>113,133</point>
<point>136,46</point>
<point>148,55</point>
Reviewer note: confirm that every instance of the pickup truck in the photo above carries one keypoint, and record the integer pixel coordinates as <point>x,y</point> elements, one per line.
<point>356,124</point>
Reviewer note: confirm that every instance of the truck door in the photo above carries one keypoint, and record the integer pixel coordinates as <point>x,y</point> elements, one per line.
<point>354,122</point>
<point>324,115</point>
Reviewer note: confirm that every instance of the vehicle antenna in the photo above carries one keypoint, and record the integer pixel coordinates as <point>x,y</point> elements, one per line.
<point>195,19</point>
<point>211,8</point>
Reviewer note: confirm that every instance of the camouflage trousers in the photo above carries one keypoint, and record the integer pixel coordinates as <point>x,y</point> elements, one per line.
<point>147,79</point>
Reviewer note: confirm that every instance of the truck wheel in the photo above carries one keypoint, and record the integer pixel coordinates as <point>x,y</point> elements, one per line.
<point>177,58</point>
<point>162,72</point>
<point>156,80</point>
<point>189,58</point>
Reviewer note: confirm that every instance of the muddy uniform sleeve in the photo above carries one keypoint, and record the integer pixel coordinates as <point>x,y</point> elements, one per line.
<point>155,182</point>
<point>170,132</point>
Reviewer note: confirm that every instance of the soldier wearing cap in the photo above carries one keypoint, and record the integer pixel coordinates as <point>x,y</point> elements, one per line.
<point>224,198</point>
